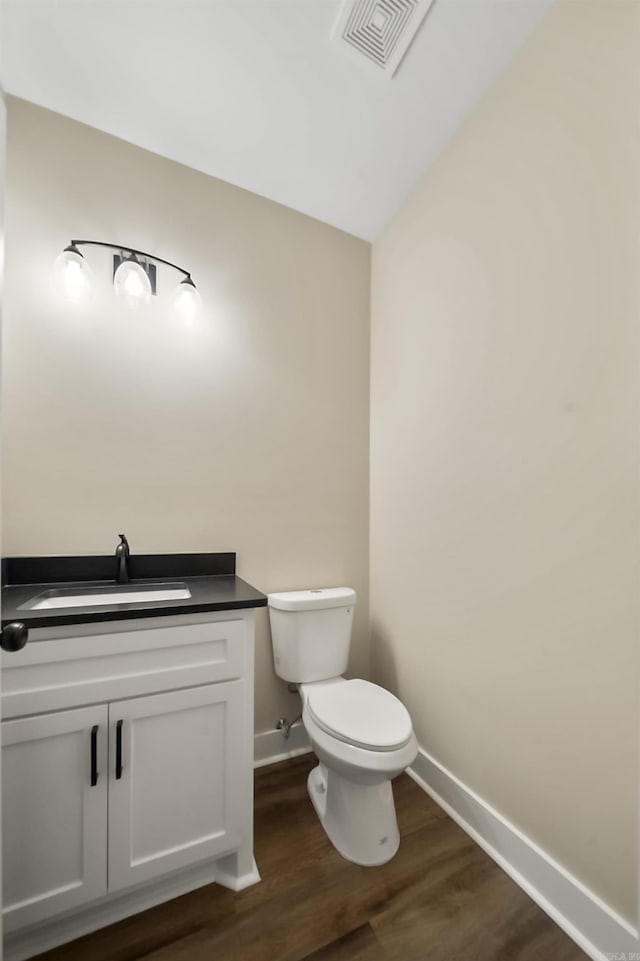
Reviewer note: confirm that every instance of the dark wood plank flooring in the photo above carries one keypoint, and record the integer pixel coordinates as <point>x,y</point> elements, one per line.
<point>440,899</point>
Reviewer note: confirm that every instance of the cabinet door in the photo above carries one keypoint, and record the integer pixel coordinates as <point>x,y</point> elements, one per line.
<point>174,799</point>
<point>54,821</point>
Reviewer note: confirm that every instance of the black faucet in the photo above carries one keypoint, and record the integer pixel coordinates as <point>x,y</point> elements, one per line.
<point>122,558</point>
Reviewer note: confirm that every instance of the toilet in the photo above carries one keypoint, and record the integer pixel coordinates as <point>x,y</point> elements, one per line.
<point>361,733</point>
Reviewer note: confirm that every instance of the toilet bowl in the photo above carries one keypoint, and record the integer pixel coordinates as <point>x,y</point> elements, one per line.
<point>361,733</point>
<point>362,737</point>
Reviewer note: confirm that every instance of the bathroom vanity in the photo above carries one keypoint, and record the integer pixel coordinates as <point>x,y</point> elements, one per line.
<point>127,744</point>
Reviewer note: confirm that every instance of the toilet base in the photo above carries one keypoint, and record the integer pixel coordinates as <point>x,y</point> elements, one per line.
<point>359,819</point>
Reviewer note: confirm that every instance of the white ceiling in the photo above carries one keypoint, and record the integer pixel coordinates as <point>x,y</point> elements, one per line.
<point>257,93</point>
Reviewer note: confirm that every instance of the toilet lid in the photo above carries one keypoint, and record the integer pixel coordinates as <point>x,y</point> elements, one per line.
<point>362,714</point>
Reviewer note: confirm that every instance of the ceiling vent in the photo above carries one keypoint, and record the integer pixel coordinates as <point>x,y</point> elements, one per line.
<point>379,32</point>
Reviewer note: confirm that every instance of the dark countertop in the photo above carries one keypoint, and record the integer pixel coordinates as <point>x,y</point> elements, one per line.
<point>219,590</point>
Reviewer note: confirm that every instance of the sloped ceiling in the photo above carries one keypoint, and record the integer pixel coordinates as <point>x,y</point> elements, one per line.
<point>257,93</point>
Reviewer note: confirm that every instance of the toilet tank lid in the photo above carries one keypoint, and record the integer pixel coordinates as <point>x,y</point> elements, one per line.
<point>313,600</point>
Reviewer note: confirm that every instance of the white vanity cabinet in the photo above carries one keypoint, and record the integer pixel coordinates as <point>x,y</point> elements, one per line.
<point>54,837</point>
<point>176,797</point>
<point>127,752</point>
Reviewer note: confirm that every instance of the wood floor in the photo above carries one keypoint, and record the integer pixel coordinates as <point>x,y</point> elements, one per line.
<point>440,899</point>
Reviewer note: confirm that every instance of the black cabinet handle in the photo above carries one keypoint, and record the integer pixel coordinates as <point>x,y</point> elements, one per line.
<point>118,750</point>
<point>14,636</point>
<point>94,755</point>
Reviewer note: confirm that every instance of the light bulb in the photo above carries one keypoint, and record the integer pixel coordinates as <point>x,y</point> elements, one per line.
<point>132,283</point>
<point>72,276</point>
<point>186,299</point>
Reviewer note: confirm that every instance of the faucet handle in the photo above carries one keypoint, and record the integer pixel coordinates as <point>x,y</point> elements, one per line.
<point>123,541</point>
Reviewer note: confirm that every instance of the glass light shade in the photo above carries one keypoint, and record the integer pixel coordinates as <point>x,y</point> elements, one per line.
<point>72,276</point>
<point>186,299</point>
<point>132,284</point>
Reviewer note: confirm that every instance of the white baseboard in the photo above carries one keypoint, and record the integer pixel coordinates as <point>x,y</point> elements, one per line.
<point>272,746</point>
<point>592,924</point>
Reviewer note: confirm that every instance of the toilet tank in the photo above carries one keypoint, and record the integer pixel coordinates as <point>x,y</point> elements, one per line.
<point>311,633</point>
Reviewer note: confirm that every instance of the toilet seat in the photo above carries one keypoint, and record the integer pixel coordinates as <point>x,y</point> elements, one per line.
<point>360,713</point>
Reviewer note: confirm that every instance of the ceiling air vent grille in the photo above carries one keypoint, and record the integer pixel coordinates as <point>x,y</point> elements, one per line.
<point>380,30</point>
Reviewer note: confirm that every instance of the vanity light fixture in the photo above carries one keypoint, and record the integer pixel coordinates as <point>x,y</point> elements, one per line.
<point>134,277</point>
<point>186,299</point>
<point>72,275</point>
<point>131,281</point>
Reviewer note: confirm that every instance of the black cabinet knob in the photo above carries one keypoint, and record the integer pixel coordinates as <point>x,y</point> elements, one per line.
<point>14,636</point>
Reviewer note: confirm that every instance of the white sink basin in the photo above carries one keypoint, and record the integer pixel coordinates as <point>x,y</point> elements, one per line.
<point>101,596</point>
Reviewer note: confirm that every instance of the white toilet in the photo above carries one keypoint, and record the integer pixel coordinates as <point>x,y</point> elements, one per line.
<point>361,734</point>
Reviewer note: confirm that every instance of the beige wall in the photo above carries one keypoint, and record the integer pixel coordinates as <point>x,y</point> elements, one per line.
<point>246,432</point>
<point>504,447</point>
